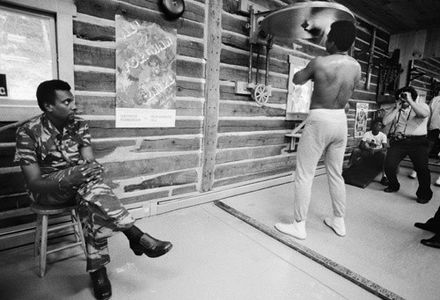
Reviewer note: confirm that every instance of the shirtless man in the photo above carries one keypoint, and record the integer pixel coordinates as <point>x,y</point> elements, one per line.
<point>335,77</point>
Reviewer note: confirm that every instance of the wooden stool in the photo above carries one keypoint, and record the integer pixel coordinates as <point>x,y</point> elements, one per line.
<point>42,230</point>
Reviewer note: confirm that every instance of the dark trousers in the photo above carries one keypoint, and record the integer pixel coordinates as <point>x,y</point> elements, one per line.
<point>433,142</point>
<point>417,150</point>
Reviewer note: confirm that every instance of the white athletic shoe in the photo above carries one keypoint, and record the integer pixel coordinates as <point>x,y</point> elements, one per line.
<point>437,182</point>
<point>296,229</point>
<point>337,224</point>
<point>413,175</point>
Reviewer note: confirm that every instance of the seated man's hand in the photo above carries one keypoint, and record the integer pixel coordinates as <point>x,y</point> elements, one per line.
<point>83,174</point>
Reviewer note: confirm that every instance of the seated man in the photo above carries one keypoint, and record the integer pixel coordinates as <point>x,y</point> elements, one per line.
<point>55,154</point>
<point>372,148</point>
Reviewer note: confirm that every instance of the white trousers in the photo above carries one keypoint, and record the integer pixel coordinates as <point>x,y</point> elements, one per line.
<point>325,133</point>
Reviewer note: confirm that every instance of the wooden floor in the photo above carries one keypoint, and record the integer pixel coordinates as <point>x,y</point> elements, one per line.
<point>217,256</point>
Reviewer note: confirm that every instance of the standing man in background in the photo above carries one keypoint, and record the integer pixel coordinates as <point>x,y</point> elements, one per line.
<point>407,136</point>
<point>335,77</point>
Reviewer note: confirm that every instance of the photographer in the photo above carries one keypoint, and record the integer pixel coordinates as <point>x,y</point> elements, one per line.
<point>407,136</point>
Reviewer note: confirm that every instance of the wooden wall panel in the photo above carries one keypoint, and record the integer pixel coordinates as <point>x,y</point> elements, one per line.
<point>168,159</point>
<point>158,163</point>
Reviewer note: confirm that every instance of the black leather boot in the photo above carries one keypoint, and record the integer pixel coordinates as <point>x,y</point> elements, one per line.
<point>429,225</point>
<point>101,285</point>
<point>433,242</point>
<point>150,246</point>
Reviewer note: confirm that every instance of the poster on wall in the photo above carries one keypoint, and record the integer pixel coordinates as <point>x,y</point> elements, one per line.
<point>299,96</point>
<point>360,124</point>
<point>145,74</point>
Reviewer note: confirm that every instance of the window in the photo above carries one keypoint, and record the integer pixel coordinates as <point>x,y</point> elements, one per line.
<point>36,44</point>
<point>27,51</point>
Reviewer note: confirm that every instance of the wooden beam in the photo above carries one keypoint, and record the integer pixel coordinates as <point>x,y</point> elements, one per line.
<point>212,92</point>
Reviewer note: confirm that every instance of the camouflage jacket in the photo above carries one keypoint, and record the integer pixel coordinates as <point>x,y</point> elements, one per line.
<point>39,141</point>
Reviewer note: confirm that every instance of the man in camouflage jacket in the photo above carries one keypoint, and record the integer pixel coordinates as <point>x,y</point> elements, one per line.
<point>55,154</point>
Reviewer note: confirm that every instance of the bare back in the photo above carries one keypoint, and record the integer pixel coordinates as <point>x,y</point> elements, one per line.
<point>335,78</point>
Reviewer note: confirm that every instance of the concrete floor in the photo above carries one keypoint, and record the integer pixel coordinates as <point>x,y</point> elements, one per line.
<point>217,256</point>
<point>381,245</point>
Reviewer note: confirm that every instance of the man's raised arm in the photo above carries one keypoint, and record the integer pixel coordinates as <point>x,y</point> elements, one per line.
<point>305,74</point>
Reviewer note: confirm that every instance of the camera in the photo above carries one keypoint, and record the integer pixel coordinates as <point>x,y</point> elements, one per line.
<point>397,137</point>
<point>403,96</point>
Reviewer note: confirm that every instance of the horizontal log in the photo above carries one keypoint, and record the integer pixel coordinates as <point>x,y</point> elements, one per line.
<point>95,105</point>
<point>184,190</point>
<point>93,32</point>
<point>106,82</point>
<point>94,81</point>
<point>229,73</point>
<point>104,148</point>
<point>236,41</point>
<point>245,178</point>
<point>190,69</point>
<point>105,129</point>
<point>190,48</point>
<point>189,108</point>
<point>435,62</point>
<point>103,105</point>
<point>171,144</point>
<point>253,125</point>
<point>428,68</point>
<point>251,140</point>
<point>231,155</point>
<point>190,89</point>
<point>94,56</point>
<point>234,24</point>
<point>135,168</point>
<point>153,196</point>
<point>279,162</point>
<point>231,109</point>
<point>242,59</point>
<point>171,179</point>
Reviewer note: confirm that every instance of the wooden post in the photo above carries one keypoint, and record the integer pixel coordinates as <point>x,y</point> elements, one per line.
<point>212,92</point>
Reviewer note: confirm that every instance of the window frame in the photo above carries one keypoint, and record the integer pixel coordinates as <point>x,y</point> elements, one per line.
<point>63,11</point>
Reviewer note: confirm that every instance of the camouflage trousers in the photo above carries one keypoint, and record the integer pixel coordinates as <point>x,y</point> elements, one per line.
<point>100,212</point>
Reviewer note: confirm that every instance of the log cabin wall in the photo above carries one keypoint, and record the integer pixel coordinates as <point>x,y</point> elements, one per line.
<point>366,41</point>
<point>255,135</point>
<point>221,139</point>
<point>431,69</point>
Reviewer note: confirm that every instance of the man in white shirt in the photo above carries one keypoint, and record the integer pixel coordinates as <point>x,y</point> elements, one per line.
<point>408,130</point>
<point>433,133</point>
<point>373,145</point>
